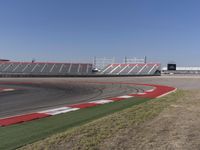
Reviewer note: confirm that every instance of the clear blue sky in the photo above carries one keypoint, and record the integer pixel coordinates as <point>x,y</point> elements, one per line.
<point>60,30</point>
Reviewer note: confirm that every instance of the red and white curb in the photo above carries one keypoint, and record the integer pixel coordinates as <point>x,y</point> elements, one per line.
<point>157,91</point>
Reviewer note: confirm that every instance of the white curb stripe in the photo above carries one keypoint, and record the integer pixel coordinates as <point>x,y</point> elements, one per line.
<point>151,90</point>
<point>125,96</point>
<point>60,110</point>
<point>141,93</point>
<point>103,101</point>
<point>8,90</point>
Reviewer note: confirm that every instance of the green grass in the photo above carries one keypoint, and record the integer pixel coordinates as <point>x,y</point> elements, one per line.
<point>15,136</point>
<point>92,135</point>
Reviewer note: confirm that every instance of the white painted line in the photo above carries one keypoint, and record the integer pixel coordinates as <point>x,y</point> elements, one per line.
<point>125,96</point>
<point>60,110</point>
<point>103,101</point>
<point>8,90</point>
<point>167,93</point>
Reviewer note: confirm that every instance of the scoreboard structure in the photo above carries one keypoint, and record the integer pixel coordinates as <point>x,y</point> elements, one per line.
<point>171,67</point>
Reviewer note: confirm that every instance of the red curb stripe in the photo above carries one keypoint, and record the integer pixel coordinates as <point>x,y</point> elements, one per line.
<point>83,105</point>
<point>159,91</point>
<point>22,118</point>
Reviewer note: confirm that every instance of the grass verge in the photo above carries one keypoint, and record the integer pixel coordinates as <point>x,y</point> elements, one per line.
<point>95,134</point>
<point>15,136</point>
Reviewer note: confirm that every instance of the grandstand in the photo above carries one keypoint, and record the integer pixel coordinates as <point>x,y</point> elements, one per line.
<point>132,69</point>
<point>100,67</point>
<point>44,68</point>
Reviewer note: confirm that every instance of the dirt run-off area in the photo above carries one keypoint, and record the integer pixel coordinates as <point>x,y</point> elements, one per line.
<point>172,124</point>
<point>175,128</point>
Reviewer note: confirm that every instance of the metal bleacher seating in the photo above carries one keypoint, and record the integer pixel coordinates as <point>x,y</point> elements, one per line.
<point>73,69</point>
<point>44,68</point>
<point>131,69</point>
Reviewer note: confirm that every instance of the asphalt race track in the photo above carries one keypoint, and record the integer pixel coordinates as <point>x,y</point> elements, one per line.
<point>39,94</point>
<point>36,94</point>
